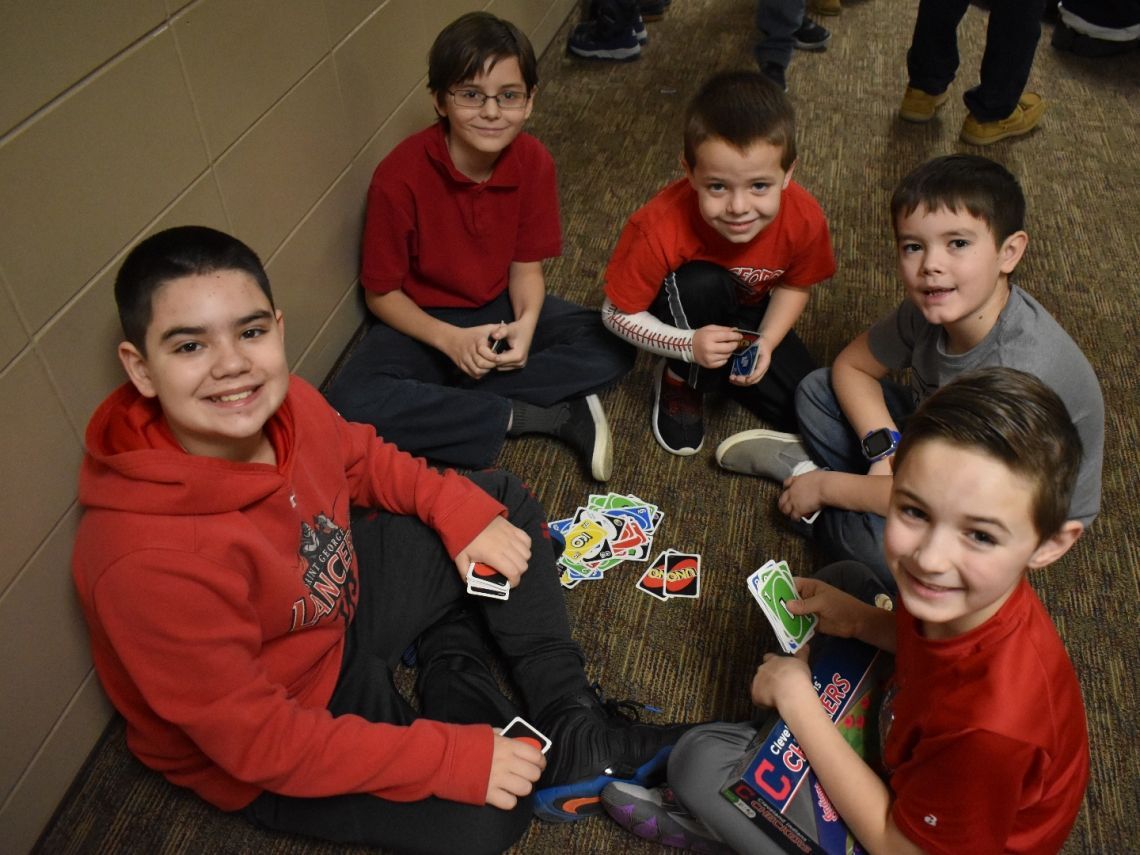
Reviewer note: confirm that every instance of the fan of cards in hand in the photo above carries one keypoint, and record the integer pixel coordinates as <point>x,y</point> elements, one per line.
<point>773,587</point>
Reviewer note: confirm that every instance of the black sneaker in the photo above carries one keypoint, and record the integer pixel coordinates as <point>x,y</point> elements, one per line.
<point>587,432</point>
<point>811,36</point>
<point>598,40</point>
<point>678,420</point>
<point>594,743</point>
<point>775,72</point>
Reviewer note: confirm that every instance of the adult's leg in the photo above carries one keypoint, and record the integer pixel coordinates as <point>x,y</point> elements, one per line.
<point>572,355</point>
<point>1012,34</point>
<point>701,764</point>
<point>932,60</point>
<point>776,23</point>
<point>402,386</point>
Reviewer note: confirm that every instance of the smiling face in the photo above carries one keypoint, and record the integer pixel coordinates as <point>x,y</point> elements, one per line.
<point>738,191</point>
<point>215,359</point>
<point>476,136</point>
<point>953,271</point>
<point>960,534</point>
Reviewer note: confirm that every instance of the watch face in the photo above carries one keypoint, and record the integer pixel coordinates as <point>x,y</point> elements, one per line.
<point>877,443</point>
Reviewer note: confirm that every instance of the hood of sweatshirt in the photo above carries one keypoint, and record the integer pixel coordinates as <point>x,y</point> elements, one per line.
<point>134,463</point>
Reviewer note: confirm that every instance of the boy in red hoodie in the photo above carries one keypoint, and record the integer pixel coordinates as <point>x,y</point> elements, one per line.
<point>252,566</point>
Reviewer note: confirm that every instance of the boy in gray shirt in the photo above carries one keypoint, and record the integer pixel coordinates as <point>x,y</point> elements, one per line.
<point>959,229</point>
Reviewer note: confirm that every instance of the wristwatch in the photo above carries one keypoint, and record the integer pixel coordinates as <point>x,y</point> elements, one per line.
<point>880,443</point>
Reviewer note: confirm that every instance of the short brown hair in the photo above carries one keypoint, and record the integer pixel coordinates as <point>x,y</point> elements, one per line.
<point>987,190</point>
<point>741,108</point>
<point>1013,417</point>
<point>463,47</point>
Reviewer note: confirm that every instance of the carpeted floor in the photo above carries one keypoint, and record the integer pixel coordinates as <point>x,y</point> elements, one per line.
<point>614,130</point>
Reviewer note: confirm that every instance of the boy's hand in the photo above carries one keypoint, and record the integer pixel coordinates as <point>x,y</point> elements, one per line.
<point>779,676</point>
<point>500,545</point>
<point>713,345</point>
<point>759,368</point>
<point>469,350</point>
<point>515,767</point>
<point>803,494</point>
<point>838,612</point>
<point>518,335</point>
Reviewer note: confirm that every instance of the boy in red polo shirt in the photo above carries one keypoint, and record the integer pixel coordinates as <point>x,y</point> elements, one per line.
<point>469,348</point>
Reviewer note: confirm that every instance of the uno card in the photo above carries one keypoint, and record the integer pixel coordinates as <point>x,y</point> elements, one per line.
<point>773,588</point>
<point>585,539</point>
<point>652,581</point>
<point>485,581</point>
<point>747,339</point>
<point>683,575</point>
<point>743,363</point>
<point>519,728</point>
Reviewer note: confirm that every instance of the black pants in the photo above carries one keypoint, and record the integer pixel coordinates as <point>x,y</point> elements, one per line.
<point>410,589</point>
<point>1011,41</point>
<point>418,399</point>
<point>701,293</point>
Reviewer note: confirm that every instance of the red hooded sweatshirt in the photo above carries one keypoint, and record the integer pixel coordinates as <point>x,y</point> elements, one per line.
<point>217,595</point>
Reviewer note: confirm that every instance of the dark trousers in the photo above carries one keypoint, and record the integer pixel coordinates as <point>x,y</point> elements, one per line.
<point>701,293</point>
<point>777,22</point>
<point>1011,41</point>
<point>410,589</point>
<point>418,399</point>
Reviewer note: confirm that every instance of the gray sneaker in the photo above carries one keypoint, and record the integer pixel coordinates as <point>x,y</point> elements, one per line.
<point>766,453</point>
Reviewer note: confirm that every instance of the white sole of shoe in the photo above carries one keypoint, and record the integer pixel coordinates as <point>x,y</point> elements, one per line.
<point>602,460</point>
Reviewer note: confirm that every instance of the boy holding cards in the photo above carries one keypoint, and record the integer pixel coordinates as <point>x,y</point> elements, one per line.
<point>959,227</point>
<point>469,349</point>
<point>985,742</point>
<point>715,270</point>
<point>246,622</point>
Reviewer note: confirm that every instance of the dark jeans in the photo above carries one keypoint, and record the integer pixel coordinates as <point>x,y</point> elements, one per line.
<point>1011,41</point>
<point>841,534</point>
<point>418,399</point>
<point>777,22</point>
<point>411,589</point>
<point>701,293</point>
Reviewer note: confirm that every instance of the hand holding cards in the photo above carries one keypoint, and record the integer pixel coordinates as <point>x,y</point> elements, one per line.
<point>773,587</point>
<point>485,581</point>
<point>744,357</point>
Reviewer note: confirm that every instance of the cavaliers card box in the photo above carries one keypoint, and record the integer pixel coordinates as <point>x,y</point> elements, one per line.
<point>774,785</point>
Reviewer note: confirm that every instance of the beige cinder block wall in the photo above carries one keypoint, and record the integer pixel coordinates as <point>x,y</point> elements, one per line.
<point>118,118</point>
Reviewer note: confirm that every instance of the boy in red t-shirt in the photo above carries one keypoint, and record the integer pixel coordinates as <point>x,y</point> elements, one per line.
<point>735,244</point>
<point>469,348</point>
<point>985,741</point>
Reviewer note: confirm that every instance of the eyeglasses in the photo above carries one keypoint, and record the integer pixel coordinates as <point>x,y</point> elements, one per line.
<point>511,99</point>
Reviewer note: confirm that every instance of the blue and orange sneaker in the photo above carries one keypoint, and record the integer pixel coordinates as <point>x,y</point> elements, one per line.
<point>596,742</point>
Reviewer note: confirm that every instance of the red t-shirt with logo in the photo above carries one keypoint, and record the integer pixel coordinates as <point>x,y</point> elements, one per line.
<point>668,231</point>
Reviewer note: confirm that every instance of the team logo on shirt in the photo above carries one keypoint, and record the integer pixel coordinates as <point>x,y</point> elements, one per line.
<point>325,559</point>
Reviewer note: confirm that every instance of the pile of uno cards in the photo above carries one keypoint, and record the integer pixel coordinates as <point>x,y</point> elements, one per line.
<point>485,581</point>
<point>610,529</point>
<point>672,574</point>
<point>773,586</point>
<point>744,357</point>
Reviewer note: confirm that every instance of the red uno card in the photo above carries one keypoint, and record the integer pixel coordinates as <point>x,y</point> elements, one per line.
<point>652,581</point>
<point>683,575</point>
<point>520,728</point>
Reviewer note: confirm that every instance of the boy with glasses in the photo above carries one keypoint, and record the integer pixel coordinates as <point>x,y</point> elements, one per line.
<point>469,348</point>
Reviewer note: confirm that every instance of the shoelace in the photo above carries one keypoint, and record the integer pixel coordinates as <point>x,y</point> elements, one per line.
<point>627,709</point>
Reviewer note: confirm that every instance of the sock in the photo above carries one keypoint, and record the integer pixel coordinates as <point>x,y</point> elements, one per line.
<point>529,418</point>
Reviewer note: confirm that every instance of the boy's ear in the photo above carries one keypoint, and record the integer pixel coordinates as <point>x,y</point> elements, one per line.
<point>685,166</point>
<point>1011,250</point>
<point>1053,547</point>
<point>788,174</point>
<point>137,368</point>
